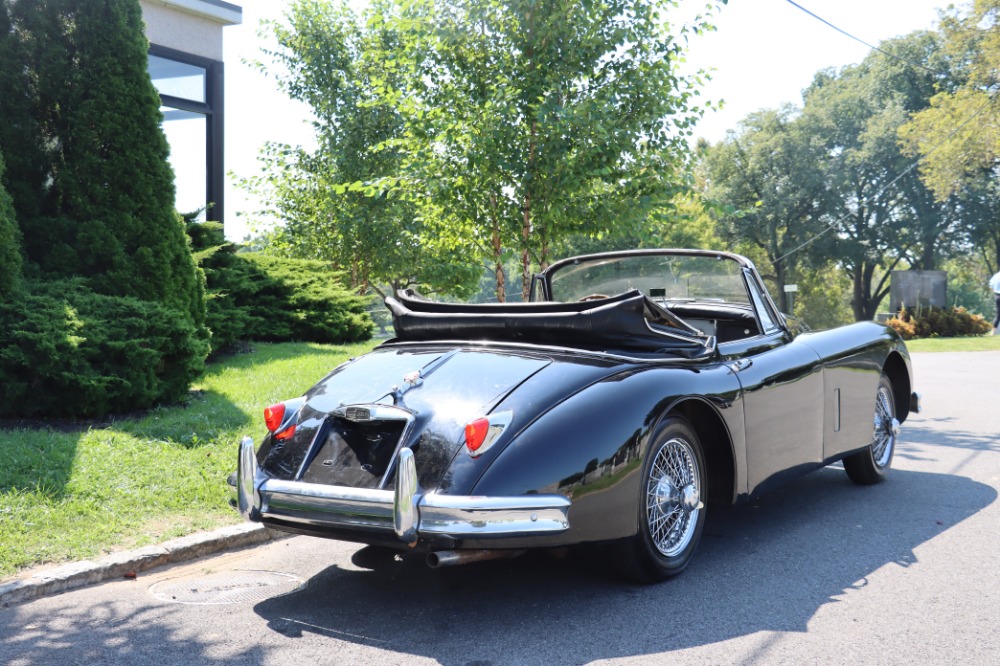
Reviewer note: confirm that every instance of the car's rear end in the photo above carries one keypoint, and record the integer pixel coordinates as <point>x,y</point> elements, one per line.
<point>388,448</point>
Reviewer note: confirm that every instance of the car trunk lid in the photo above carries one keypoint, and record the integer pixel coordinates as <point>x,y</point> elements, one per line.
<point>370,407</point>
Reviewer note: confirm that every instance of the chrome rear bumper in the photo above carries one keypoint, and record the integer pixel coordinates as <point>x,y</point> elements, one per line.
<point>406,511</point>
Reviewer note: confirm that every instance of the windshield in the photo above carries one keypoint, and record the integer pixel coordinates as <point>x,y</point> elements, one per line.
<point>667,278</point>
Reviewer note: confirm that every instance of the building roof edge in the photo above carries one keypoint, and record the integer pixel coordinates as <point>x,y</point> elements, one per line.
<point>217,10</point>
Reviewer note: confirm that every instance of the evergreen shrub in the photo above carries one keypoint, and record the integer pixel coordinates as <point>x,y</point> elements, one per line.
<point>10,243</point>
<point>70,352</point>
<point>305,300</point>
<point>257,297</point>
<point>96,197</point>
<point>936,322</point>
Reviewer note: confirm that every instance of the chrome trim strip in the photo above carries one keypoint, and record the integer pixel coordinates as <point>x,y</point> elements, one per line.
<point>362,412</point>
<point>404,437</point>
<point>486,503</point>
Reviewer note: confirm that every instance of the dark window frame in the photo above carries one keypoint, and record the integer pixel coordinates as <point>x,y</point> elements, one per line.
<point>212,109</point>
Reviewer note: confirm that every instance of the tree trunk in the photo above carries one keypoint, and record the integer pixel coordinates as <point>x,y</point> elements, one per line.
<point>526,223</point>
<point>779,284</point>
<point>501,286</point>
<point>858,298</point>
<point>501,281</point>
<point>928,257</point>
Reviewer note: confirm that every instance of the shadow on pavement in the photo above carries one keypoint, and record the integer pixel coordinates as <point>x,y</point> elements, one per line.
<point>765,566</point>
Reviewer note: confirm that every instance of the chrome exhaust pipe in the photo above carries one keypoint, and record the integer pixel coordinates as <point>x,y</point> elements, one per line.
<point>451,558</point>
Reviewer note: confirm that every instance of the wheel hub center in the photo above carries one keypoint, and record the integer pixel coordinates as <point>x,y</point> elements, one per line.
<point>690,498</point>
<point>888,427</point>
<point>666,496</point>
<point>669,497</point>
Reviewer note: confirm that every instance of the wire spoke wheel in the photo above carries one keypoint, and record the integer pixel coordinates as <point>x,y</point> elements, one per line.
<point>669,505</point>
<point>673,497</point>
<point>886,426</point>
<point>871,464</point>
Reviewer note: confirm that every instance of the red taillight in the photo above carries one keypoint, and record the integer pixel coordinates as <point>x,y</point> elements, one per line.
<point>475,433</point>
<point>280,418</point>
<point>274,415</point>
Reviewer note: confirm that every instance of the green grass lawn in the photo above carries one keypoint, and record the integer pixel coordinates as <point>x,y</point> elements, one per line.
<point>977,343</point>
<point>71,493</point>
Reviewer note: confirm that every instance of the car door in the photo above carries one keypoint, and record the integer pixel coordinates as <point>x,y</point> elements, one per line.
<point>783,398</point>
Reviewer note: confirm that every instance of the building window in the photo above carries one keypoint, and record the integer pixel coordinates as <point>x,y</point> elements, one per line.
<point>190,90</point>
<point>178,79</point>
<point>187,134</point>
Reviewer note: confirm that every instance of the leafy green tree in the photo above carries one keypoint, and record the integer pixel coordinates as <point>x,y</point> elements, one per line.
<point>881,213</point>
<point>767,180</point>
<point>22,80</point>
<point>823,298</point>
<point>331,63</point>
<point>685,224</point>
<point>462,131</point>
<point>93,189</point>
<point>527,120</point>
<point>958,136</point>
<point>980,201</point>
<point>10,242</point>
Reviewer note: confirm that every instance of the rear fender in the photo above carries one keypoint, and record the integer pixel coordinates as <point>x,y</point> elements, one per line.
<point>590,447</point>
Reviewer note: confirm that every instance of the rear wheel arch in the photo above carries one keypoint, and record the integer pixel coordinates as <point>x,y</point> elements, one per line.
<point>895,370</point>
<point>717,446</point>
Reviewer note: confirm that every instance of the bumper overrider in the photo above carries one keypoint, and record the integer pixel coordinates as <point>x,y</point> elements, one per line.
<point>406,512</point>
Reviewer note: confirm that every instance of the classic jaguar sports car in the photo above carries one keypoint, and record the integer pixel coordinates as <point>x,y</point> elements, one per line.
<point>635,390</point>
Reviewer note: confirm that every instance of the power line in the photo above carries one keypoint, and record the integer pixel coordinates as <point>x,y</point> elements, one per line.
<point>861,41</point>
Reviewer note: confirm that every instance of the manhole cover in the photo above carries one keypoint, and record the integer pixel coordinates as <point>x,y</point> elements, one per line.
<point>229,587</point>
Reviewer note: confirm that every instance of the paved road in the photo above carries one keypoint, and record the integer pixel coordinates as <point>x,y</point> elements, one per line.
<point>821,572</point>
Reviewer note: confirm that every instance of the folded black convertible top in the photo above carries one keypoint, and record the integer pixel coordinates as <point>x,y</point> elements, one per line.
<point>626,323</point>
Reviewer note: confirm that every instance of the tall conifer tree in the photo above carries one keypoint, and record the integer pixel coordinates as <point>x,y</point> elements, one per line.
<point>96,199</point>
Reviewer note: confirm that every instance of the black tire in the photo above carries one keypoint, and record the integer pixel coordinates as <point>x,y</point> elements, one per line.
<point>871,465</point>
<point>670,507</point>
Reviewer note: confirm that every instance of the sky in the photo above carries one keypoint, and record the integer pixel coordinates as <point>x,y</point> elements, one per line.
<point>763,53</point>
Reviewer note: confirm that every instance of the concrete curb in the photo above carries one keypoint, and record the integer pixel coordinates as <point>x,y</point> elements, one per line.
<point>120,565</point>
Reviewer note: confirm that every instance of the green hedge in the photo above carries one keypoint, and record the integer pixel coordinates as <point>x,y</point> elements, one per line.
<point>73,353</point>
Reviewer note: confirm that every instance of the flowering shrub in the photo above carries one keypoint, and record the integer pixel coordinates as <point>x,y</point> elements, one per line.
<point>939,323</point>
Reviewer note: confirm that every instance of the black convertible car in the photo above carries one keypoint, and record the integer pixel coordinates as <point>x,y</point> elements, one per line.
<point>633,391</point>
